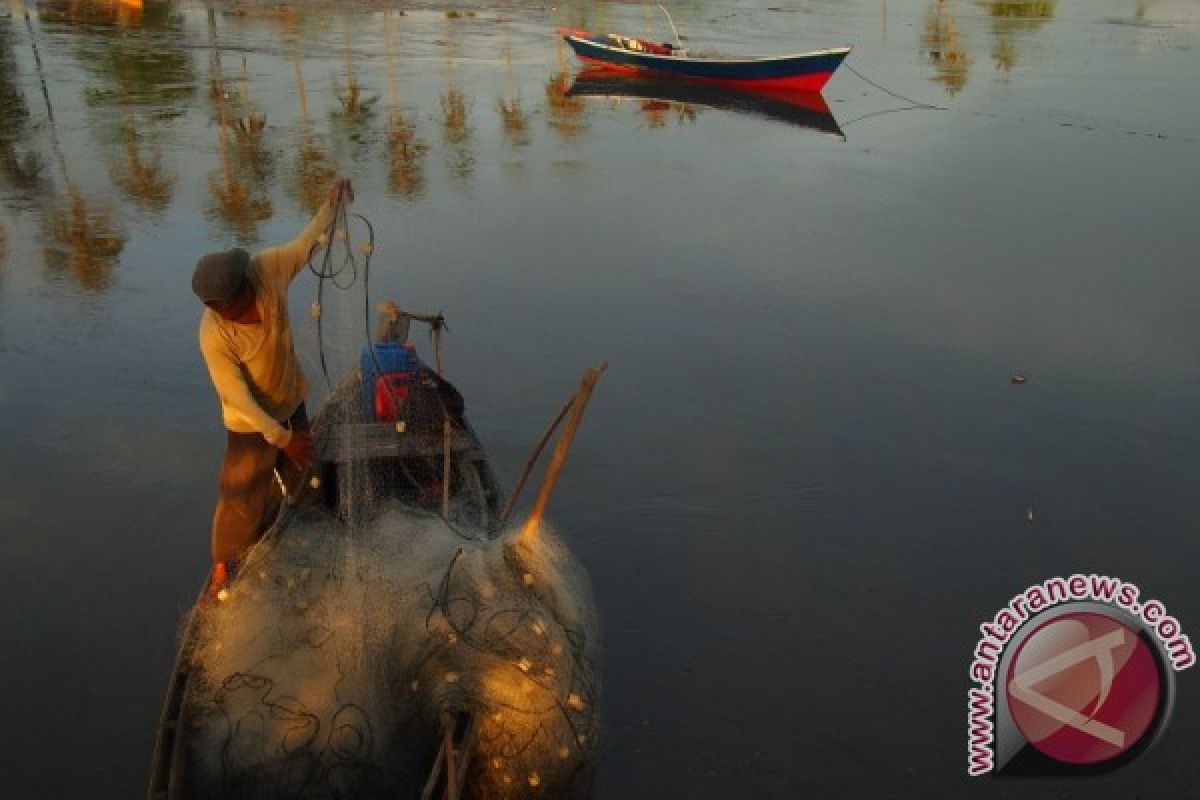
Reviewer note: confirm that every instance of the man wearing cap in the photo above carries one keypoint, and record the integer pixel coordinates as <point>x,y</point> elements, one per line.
<point>247,345</point>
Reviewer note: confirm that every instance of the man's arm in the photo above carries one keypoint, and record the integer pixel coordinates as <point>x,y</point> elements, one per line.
<point>234,392</point>
<point>282,262</point>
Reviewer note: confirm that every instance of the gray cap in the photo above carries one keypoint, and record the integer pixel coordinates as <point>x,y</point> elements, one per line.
<point>219,276</point>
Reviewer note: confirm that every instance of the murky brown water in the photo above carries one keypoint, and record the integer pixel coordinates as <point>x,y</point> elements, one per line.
<point>805,478</point>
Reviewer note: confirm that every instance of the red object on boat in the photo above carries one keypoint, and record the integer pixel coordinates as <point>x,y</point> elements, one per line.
<point>391,390</point>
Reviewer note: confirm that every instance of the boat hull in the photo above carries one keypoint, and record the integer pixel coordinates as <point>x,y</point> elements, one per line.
<point>390,466</point>
<point>807,72</point>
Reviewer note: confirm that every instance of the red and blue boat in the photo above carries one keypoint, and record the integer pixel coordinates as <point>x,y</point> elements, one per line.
<point>805,72</point>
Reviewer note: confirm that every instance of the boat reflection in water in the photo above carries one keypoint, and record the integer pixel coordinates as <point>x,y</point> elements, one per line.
<point>803,109</point>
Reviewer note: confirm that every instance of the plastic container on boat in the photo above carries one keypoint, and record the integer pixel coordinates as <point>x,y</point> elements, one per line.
<point>390,393</point>
<point>387,367</point>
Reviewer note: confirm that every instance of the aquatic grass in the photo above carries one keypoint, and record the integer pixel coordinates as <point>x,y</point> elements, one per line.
<point>946,49</point>
<point>82,242</point>
<point>143,178</point>
<point>514,121</point>
<point>406,175</point>
<point>564,113</point>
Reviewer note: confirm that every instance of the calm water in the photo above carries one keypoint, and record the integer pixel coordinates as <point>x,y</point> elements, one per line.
<point>805,478</point>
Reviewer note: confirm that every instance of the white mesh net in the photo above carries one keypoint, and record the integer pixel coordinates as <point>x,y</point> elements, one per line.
<point>325,672</point>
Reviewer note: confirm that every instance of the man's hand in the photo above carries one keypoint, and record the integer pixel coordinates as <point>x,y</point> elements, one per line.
<point>299,449</point>
<point>341,188</point>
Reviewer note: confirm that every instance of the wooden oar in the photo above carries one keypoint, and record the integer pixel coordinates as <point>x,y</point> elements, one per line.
<point>561,449</point>
<point>529,462</point>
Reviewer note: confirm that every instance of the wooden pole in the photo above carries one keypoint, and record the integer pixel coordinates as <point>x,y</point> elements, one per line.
<point>529,462</point>
<point>578,406</point>
<point>449,723</point>
<point>437,347</point>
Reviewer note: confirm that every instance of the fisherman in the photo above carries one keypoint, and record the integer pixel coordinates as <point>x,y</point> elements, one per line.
<point>247,345</point>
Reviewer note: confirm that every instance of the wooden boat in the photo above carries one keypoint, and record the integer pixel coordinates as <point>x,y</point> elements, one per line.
<point>807,72</point>
<point>802,109</point>
<point>429,458</point>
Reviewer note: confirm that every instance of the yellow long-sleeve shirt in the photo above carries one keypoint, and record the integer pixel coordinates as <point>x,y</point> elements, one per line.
<point>253,367</point>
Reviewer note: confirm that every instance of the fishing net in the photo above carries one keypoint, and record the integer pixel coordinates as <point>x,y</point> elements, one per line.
<point>326,670</point>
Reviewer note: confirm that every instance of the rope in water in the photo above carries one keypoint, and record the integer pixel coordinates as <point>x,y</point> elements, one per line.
<point>897,95</point>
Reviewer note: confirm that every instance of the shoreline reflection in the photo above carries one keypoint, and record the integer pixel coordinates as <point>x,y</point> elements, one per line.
<point>157,114</point>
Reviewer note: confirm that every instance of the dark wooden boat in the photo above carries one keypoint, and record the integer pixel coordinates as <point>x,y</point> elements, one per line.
<point>807,72</point>
<point>429,458</point>
<point>802,109</point>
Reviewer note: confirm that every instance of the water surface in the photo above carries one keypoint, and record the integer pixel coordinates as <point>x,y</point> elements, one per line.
<point>805,478</point>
